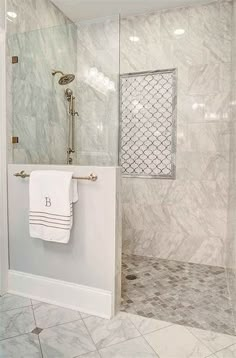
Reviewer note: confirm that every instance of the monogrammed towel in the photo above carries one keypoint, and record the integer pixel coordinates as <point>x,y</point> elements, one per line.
<point>52,194</point>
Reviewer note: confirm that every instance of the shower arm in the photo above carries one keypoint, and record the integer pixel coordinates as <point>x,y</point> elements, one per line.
<point>55,72</point>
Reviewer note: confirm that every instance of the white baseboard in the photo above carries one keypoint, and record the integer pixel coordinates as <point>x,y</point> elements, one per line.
<point>69,295</point>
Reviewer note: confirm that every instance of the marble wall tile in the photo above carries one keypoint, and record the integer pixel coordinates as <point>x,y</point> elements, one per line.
<point>209,250</point>
<point>200,75</point>
<point>97,91</point>
<point>176,218</point>
<point>33,14</point>
<point>173,20</point>
<point>161,218</point>
<point>208,137</point>
<point>231,236</point>
<point>203,166</point>
<point>195,194</point>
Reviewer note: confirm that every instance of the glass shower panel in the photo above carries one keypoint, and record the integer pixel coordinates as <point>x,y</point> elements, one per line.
<point>38,109</point>
<point>98,91</point>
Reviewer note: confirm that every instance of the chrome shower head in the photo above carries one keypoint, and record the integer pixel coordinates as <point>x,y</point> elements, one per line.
<point>65,79</point>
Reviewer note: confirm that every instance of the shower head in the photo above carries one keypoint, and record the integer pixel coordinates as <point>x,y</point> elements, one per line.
<point>65,79</point>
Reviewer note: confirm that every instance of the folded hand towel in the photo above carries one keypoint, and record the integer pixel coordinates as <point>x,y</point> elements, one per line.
<point>52,194</point>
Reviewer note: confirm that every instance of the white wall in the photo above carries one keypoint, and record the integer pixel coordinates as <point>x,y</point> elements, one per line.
<point>89,258</point>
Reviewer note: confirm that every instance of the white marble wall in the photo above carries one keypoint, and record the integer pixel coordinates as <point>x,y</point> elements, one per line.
<point>43,39</point>
<point>33,15</point>
<point>231,242</point>
<point>37,107</point>
<point>185,219</point>
<point>97,129</point>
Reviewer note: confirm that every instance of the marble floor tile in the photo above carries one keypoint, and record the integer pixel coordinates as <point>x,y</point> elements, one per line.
<point>25,346</point>
<point>84,315</point>
<point>16,322</point>
<point>9,302</point>
<point>178,292</point>
<point>177,342</point>
<point>229,352</point>
<point>66,341</point>
<point>133,348</point>
<point>49,315</point>
<point>214,341</point>
<point>90,355</point>
<point>147,325</point>
<point>35,302</point>
<point>107,332</point>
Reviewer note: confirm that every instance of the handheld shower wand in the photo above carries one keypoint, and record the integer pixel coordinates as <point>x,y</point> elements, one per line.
<point>72,113</point>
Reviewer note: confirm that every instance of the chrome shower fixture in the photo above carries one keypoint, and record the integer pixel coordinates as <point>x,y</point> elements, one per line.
<point>72,113</point>
<point>65,79</point>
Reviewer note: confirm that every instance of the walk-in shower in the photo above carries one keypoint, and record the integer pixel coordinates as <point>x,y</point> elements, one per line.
<point>163,81</point>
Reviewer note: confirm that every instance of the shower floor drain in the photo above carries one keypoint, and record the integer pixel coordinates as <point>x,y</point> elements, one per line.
<point>131,277</point>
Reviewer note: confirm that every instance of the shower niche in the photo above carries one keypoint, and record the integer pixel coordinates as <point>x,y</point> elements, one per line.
<point>148,124</point>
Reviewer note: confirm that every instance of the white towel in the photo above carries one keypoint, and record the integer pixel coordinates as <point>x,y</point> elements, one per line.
<point>52,194</point>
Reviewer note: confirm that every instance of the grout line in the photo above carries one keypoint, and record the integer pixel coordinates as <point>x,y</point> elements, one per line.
<point>158,329</point>
<point>231,345</point>
<point>89,333</point>
<point>12,309</point>
<point>189,328</point>
<point>40,346</point>
<point>61,324</point>
<point>18,335</point>
<point>85,354</point>
<point>150,346</point>
<point>41,350</point>
<point>198,339</point>
<point>114,344</point>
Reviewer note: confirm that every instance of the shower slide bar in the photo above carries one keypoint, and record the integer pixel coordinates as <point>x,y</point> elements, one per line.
<point>91,177</point>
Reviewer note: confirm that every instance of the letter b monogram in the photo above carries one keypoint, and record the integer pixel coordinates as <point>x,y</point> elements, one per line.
<point>48,202</point>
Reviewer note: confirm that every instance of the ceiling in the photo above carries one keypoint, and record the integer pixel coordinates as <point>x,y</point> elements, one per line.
<point>78,10</point>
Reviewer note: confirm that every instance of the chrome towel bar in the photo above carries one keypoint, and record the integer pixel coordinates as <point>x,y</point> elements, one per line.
<point>91,177</point>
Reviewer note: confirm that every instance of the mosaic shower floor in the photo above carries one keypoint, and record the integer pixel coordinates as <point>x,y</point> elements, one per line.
<point>182,293</point>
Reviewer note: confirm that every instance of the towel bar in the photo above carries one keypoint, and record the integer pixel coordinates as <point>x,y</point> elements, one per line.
<point>91,177</point>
